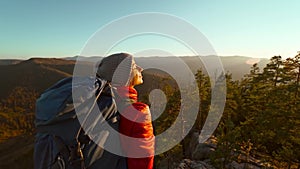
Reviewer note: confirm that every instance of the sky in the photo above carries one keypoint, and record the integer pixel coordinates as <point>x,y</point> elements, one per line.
<point>54,28</point>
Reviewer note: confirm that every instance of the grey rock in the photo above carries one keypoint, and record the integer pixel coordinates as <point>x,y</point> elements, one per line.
<point>190,164</point>
<point>202,151</point>
<point>236,165</point>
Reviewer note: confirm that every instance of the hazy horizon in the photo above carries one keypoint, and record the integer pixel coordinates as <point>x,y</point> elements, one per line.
<point>65,57</point>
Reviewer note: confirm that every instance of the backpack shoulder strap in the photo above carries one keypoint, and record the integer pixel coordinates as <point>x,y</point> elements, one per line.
<point>62,147</point>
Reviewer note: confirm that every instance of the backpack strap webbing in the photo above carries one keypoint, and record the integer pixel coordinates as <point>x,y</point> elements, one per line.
<point>62,147</point>
<point>72,153</point>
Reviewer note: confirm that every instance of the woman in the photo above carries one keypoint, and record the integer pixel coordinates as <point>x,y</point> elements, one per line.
<point>136,131</point>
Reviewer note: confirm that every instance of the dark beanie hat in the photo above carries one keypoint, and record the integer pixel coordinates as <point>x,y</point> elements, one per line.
<point>116,68</point>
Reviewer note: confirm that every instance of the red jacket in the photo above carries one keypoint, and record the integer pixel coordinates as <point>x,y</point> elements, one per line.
<point>136,123</point>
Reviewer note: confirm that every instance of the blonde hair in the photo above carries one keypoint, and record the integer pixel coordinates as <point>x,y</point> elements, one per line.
<point>134,77</point>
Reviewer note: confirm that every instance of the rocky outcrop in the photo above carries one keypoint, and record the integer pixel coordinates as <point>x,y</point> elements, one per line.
<point>193,164</point>
<point>190,164</point>
<point>201,151</point>
<point>199,154</point>
<point>236,165</point>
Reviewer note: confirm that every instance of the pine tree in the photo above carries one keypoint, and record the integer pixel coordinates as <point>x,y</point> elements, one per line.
<point>204,87</point>
<point>274,72</point>
<point>292,65</point>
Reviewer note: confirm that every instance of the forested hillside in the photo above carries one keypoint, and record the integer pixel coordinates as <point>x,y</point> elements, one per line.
<point>261,119</point>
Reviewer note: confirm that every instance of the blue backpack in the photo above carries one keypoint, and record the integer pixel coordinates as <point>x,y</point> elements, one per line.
<point>61,142</point>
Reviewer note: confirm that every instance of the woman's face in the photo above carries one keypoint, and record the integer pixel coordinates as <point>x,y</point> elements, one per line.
<point>137,77</point>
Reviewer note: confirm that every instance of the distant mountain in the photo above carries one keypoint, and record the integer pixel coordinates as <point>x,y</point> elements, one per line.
<point>88,59</point>
<point>238,66</point>
<point>36,74</point>
<point>9,61</point>
<point>40,73</point>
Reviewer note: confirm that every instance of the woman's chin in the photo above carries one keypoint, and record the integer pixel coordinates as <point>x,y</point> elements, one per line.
<point>140,82</point>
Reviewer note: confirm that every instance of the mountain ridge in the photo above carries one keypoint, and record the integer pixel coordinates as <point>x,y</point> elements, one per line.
<point>40,73</point>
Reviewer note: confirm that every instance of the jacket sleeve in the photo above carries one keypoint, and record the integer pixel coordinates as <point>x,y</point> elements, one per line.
<point>136,123</point>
